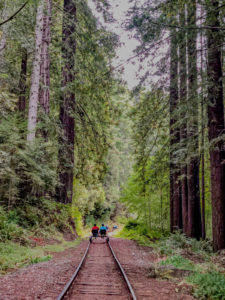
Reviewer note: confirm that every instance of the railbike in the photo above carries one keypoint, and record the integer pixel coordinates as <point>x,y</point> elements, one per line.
<point>101,234</point>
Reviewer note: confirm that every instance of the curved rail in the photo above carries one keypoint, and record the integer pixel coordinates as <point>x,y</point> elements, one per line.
<point>67,287</point>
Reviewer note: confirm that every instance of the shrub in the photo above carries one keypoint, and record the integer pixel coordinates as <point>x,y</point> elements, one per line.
<point>138,231</point>
<point>201,246</point>
<point>208,285</point>
<point>8,230</point>
<point>177,241</point>
<point>42,219</point>
<point>131,224</point>
<point>178,262</point>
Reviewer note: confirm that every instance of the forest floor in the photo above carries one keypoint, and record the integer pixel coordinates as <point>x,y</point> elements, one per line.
<point>45,280</point>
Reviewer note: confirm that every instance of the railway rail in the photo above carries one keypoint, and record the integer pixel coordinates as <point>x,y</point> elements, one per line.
<point>101,276</point>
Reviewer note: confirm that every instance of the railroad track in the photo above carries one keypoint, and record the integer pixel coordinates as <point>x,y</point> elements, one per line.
<point>99,276</point>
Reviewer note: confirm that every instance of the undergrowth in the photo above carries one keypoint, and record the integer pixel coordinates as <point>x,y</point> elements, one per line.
<point>14,255</point>
<point>207,278</point>
<point>179,262</point>
<point>177,242</point>
<point>134,230</point>
<point>209,285</point>
<point>43,219</point>
<point>24,231</point>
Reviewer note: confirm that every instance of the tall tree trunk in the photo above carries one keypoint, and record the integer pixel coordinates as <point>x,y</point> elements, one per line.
<point>194,210</point>
<point>216,126</point>
<point>202,137</point>
<point>66,141</point>
<point>22,82</point>
<point>175,193</point>
<point>203,191</point>
<point>45,59</point>
<point>35,80</point>
<point>183,116</point>
<point>171,188</point>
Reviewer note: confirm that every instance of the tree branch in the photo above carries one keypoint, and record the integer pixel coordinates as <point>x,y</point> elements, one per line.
<point>13,16</point>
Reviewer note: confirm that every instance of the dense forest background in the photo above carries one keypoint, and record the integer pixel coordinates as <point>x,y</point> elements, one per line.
<point>76,145</point>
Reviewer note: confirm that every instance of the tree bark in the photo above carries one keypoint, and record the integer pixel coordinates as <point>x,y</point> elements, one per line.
<point>216,126</point>
<point>45,59</point>
<point>67,121</point>
<point>22,82</point>
<point>183,116</point>
<point>35,80</point>
<point>175,192</point>
<point>194,210</point>
<point>171,185</point>
<point>202,137</point>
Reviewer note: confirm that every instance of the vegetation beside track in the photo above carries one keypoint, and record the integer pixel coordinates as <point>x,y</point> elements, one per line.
<point>28,234</point>
<point>203,271</point>
<point>14,256</point>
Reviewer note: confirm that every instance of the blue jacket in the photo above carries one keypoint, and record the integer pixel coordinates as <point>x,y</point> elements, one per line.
<point>103,228</point>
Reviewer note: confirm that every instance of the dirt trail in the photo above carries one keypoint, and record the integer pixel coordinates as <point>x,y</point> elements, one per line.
<point>99,277</point>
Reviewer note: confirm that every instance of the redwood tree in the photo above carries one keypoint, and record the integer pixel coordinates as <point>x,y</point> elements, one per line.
<point>194,211</point>
<point>45,59</point>
<point>175,191</point>
<point>183,117</point>
<point>22,82</point>
<point>67,105</point>
<point>35,80</point>
<point>216,125</point>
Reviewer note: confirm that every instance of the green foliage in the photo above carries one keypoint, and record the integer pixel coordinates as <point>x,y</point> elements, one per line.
<point>90,201</point>
<point>94,86</point>
<point>29,170</point>
<point>153,23</point>
<point>25,169</point>
<point>14,255</point>
<point>208,285</point>
<point>43,219</point>
<point>77,217</point>
<point>131,224</point>
<point>149,202</point>
<point>20,226</point>
<point>179,262</point>
<point>176,242</point>
<point>119,158</point>
<point>37,260</point>
<point>137,231</point>
<point>8,229</point>
<point>202,246</point>
<point>147,189</point>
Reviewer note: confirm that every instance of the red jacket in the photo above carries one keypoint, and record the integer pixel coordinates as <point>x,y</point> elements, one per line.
<point>95,228</point>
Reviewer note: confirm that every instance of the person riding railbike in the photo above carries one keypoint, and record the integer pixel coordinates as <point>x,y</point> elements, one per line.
<point>94,230</point>
<point>103,230</point>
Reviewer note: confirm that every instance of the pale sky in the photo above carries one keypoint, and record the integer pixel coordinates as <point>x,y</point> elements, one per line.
<point>151,64</point>
<point>128,43</point>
